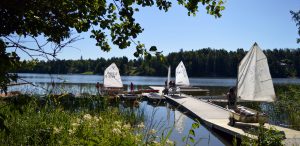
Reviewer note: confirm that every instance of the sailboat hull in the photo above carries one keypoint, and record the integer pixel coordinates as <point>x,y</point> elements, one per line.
<point>247,115</point>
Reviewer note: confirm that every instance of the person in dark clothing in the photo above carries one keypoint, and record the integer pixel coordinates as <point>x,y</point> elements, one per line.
<point>98,87</point>
<point>172,84</point>
<point>231,97</point>
<point>165,91</point>
<point>131,87</point>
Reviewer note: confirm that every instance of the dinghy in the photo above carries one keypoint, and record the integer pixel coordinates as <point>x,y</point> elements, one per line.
<point>171,86</point>
<point>181,77</point>
<point>182,80</point>
<point>254,83</point>
<point>112,82</point>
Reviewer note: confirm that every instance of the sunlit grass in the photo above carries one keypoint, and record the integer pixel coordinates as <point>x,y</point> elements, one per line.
<point>65,120</point>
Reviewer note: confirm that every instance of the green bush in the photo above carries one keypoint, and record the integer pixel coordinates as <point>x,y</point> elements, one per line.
<point>265,137</point>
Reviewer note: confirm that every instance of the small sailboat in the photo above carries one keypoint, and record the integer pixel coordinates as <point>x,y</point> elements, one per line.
<point>169,77</point>
<point>112,82</point>
<point>171,86</point>
<point>181,76</point>
<point>254,83</point>
<point>182,80</point>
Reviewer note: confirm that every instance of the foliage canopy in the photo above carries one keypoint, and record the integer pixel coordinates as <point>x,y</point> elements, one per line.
<point>296,18</point>
<point>108,21</point>
<point>56,19</point>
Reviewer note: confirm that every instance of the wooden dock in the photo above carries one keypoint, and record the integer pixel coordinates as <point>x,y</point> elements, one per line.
<point>193,90</point>
<point>217,117</point>
<point>153,96</point>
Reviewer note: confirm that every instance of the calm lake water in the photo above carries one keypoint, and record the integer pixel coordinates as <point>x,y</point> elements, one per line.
<point>86,83</point>
<point>166,116</point>
<point>139,80</point>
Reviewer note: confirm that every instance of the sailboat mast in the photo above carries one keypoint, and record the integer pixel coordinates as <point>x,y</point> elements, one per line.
<point>169,77</point>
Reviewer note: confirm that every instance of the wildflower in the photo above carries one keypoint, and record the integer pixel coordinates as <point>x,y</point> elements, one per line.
<point>75,124</point>
<point>118,124</point>
<point>96,118</point>
<point>56,130</point>
<point>71,131</point>
<point>138,138</point>
<point>141,125</point>
<point>152,131</point>
<point>116,131</point>
<point>87,117</point>
<point>156,143</point>
<point>127,126</point>
<point>78,120</point>
<point>169,142</point>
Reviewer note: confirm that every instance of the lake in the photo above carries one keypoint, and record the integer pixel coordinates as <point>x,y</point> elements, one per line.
<point>86,83</point>
<point>165,115</point>
<point>138,80</point>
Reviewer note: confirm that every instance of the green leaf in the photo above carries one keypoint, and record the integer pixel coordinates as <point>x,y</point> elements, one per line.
<point>192,139</point>
<point>148,56</point>
<point>222,8</point>
<point>153,48</point>
<point>214,3</point>
<point>195,125</point>
<point>136,54</point>
<point>183,138</point>
<point>192,132</point>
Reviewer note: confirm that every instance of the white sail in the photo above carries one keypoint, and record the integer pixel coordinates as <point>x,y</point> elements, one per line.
<point>254,80</point>
<point>181,77</point>
<point>112,77</point>
<point>179,119</point>
<point>169,77</point>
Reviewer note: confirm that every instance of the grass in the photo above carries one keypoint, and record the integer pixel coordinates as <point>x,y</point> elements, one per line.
<point>65,120</point>
<point>287,107</point>
<point>27,122</point>
<point>87,73</point>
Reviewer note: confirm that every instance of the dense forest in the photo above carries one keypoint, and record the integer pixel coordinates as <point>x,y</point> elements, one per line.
<point>205,62</point>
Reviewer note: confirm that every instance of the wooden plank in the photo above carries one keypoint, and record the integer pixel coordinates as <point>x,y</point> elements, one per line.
<point>211,97</point>
<point>193,90</point>
<point>153,96</point>
<point>16,84</point>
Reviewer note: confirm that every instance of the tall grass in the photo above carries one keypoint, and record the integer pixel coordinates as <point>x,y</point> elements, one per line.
<point>28,121</point>
<point>287,107</point>
<point>66,120</point>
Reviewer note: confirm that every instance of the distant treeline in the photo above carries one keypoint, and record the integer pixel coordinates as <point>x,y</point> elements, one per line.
<point>205,62</point>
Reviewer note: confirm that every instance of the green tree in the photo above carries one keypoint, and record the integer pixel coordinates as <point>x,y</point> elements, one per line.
<point>200,63</point>
<point>296,17</point>
<point>55,20</point>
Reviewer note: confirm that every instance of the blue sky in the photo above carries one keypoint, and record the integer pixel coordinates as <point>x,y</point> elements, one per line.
<point>267,22</point>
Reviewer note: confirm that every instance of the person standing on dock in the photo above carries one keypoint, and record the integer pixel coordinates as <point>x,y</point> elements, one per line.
<point>166,83</point>
<point>231,97</point>
<point>98,88</point>
<point>131,87</point>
